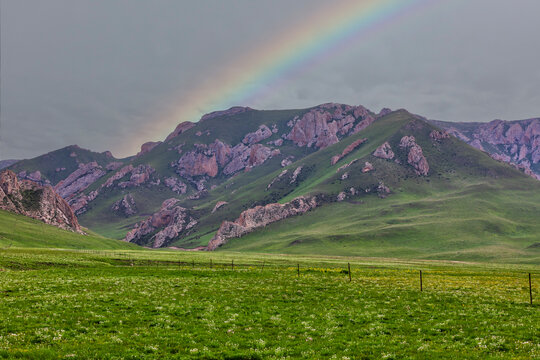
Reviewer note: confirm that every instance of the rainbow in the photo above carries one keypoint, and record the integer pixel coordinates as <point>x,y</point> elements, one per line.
<point>311,40</point>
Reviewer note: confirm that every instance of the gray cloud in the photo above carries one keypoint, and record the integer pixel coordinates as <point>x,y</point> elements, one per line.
<point>99,73</point>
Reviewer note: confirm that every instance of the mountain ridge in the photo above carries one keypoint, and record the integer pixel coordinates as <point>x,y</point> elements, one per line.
<point>243,158</point>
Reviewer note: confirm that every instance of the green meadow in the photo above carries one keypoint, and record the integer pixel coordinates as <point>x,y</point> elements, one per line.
<point>142,304</point>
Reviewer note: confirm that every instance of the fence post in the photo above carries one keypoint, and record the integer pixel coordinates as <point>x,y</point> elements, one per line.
<point>350,276</point>
<point>421,289</point>
<point>192,263</point>
<point>232,264</point>
<point>211,265</point>
<point>298,270</point>
<point>530,289</point>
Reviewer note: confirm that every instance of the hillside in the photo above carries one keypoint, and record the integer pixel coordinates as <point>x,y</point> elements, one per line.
<point>515,142</point>
<point>386,184</point>
<point>21,231</point>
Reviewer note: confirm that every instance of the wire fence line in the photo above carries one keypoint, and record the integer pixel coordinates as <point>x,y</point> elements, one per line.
<point>126,259</point>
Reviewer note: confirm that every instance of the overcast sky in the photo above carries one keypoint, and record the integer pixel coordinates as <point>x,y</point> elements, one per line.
<point>99,73</point>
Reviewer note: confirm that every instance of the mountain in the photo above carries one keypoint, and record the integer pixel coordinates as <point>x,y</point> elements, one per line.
<point>332,179</point>
<point>515,142</point>
<point>30,199</point>
<point>6,163</point>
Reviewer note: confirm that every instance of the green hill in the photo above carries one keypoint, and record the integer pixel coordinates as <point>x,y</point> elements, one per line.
<point>21,231</point>
<point>468,206</point>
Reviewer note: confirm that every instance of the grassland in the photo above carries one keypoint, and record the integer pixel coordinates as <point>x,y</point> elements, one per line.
<point>148,305</point>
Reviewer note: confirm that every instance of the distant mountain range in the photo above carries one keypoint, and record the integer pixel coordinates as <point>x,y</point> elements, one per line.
<point>333,179</point>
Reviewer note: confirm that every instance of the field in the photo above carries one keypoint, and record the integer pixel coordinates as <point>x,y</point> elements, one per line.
<point>137,304</point>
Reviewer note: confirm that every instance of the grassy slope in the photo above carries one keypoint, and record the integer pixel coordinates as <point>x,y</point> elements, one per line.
<point>21,231</point>
<point>230,129</point>
<point>469,208</point>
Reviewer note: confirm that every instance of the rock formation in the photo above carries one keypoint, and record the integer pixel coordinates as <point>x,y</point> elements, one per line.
<point>79,180</point>
<point>347,150</point>
<point>147,147</point>
<point>263,132</point>
<point>176,185</point>
<point>219,205</point>
<point>384,151</point>
<point>260,216</point>
<point>232,111</point>
<point>125,206</point>
<point>181,128</point>
<point>415,157</point>
<point>162,227</point>
<point>322,126</point>
<point>31,199</point>
<point>515,142</point>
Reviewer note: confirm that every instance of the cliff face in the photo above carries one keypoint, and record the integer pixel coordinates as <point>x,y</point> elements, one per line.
<point>258,217</point>
<point>514,142</point>
<point>162,227</point>
<point>31,199</point>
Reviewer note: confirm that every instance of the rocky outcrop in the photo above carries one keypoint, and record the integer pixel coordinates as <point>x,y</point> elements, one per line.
<point>246,157</point>
<point>115,165</point>
<point>176,185</point>
<point>79,180</point>
<point>219,205</point>
<point>439,135</point>
<point>384,151</point>
<point>139,176</point>
<point>382,190</point>
<point>118,175</point>
<point>326,124</point>
<point>78,203</point>
<point>258,217</point>
<point>181,128</point>
<point>125,206</point>
<point>147,147</point>
<point>415,157</point>
<point>347,150</point>
<point>295,174</point>
<point>232,111</point>
<point>31,199</point>
<point>346,165</point>
<point>263,132</point>
<point>222,152</point>
<point>277,178</point>
<point>198,162</point>
<point>163,227</point>
<point>367,167</point>
<point>514,142</point>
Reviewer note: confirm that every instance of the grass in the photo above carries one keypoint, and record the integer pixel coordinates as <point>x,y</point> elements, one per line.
<point>21,231</point>
<point>96,304</point>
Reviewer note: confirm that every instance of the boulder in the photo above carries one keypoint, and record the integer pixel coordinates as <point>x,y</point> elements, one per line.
<point>384,151</point>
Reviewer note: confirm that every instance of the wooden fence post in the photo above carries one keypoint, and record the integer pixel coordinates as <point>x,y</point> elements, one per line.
<point>421,289</point>
<point>350,276</point>
<point>232,264</point>
<point>298,269</point>
<point>530,289</point>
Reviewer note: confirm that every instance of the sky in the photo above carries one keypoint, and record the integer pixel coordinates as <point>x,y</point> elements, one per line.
<point>111,75</point>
